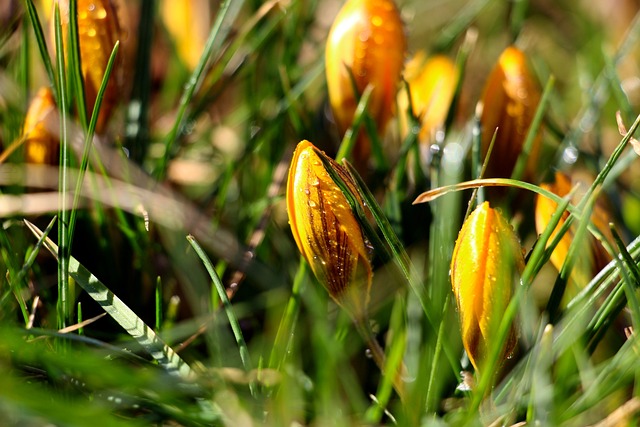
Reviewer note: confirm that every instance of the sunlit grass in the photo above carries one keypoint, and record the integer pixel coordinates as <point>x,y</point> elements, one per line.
<point>171,219</point>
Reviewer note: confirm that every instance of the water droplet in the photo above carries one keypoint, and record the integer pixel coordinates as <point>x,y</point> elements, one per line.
<point>307,191</point>
<point>91,7</point>
<point>315,182</point>
<point>312,204</point>
<point>376,20</point>
<point>368,354</point>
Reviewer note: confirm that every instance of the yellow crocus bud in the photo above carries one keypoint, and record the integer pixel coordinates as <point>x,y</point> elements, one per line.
<point>41,146</point>
<point>326,231</point>
<point>366,39</point>
<point>432,82</point>
<point>99,27</point>
<point>188,24</point>
<point>589,261</point>
<point>486,259</point>
<point>511,97</point>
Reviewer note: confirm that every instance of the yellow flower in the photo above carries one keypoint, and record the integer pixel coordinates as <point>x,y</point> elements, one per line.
<point>432,82</point>
<point>188,24</point>
<point>99,27</point>
<point>327,233</point>
<point>41,146</point>
<point>367,37</point>
<point>589,261</point>
<point>486,259</point>
<point>511,97</point>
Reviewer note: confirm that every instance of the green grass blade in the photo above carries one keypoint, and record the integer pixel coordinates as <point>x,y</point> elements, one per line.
<point>233,320</point>
<point>351,135</point>
<point>89,141</point>
<point>629,287</point>
<point>121,313</point>
<point>75,63</point>
<point>532,133</point>
<point>286,329</point>
<point>42,45</point>
<point>63,309</point>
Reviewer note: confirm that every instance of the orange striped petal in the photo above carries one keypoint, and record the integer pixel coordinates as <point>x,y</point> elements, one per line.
<point>368,38</point>
<point>510,99</point>
<point>327,233</point>
<point>486,259</point>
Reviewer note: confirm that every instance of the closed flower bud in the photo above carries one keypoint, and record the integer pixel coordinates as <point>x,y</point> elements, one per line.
<point>432,82</point>
<point>41,146</point>
<point>486,259</point>
<point>99,27</point>
<point>589,261</point>
<point>187,22</point>
<point>367,39</point>
<point>511,97</point>
<point>326,231</point>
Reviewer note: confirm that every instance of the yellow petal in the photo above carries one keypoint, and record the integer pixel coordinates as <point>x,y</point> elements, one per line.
<point>486,258</point>
<point>41,145</point>
<point>327,233</point>
<point>367,37</point>
<point>510,99</point>
<point>432,83</point>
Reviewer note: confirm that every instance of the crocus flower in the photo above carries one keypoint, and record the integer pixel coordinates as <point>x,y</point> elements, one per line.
<point>99,27</point>
<point>326,231</point>
<point>367,39</point>
<point>487,257</point>
<point>432,82</point>
<point>511,97</point>
<point>594,257</point>
<point>41,146</point>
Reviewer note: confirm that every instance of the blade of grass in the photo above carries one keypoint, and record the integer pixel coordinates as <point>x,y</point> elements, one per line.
<point>88,143</point>
<point>350,136</point>
<point>42,46</point>
<point>121,313</point>
<point>75,64</point>
<point>629,288</point>
<point>227,13</point>
<point>233,321</point>
<point>286,329</point>
<point>532,133</point>
<point>63,309</point>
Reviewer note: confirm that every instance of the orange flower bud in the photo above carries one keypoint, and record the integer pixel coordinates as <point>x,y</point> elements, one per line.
<point>326,231</point>
<point>188,24</point>
<point>40,146</point>
<point>432,82</point>
<point>367,37</point>
<point>589,261</point>
<point>486,258</point>
<point>99,27</point>
<point>511,97</point>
